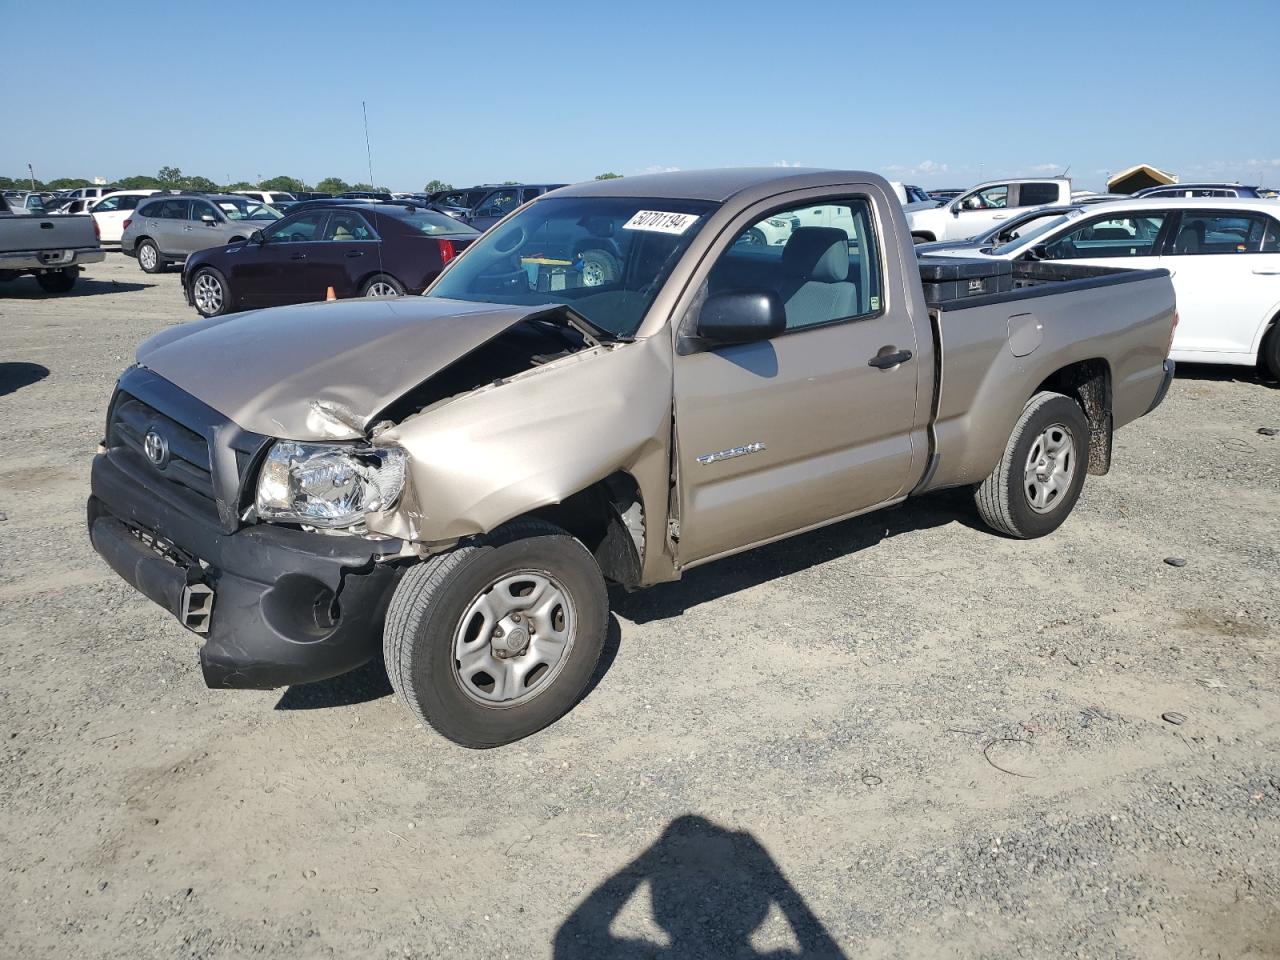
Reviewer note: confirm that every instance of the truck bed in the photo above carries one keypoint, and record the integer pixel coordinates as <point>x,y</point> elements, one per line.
<point>951,283</point>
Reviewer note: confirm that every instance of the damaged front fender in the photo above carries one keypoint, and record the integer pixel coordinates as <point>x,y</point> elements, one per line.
<point>496,453</point>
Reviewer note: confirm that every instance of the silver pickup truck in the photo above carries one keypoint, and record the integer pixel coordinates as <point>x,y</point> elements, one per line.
<point>452,479</point>
<point>50,246</point>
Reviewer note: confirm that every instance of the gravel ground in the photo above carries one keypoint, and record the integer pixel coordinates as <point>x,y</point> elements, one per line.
<point>899,736</point>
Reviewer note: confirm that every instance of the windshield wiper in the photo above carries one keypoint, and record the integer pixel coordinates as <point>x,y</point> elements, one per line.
<point>594,334</point>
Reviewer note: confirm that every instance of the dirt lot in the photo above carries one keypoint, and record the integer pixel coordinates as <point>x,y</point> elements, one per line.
<point>901,736</point>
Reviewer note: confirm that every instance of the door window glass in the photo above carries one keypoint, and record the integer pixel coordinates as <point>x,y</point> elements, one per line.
<point>1133,236</point>
<point>1217,233</point>
<point>107,205</point>
<point>348,226</point>
<point>822,262</point>
<point>173,210</point>
<point>992,198</point>
<point>297,229</point>
<point>498,204</point>
<point>200,209</point>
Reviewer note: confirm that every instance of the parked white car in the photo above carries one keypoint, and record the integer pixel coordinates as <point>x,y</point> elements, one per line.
<point>113,210</point>
<point>981,208</point>
<point>265,196</point>
<point>91,193</point>
<point>1223,255</point>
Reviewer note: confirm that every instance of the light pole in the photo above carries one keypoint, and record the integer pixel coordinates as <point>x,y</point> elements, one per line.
<point>33,177</point>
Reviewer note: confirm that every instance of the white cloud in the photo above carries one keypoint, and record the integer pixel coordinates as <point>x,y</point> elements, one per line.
<point>923,168</point>
<point>1046,168</point>
<point>659,168</point>
<point>786,163</point>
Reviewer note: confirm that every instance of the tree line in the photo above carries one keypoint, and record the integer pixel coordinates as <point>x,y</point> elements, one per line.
<point>171,178</point>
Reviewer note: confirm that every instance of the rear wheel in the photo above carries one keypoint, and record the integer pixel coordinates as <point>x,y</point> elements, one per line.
<point>149,258</point>
<point>1269,352</point>
<point>382,285</point>
<point>209,292</point>
<point>495,640</point>
<point>1038,479</point>
<point>58,281</point>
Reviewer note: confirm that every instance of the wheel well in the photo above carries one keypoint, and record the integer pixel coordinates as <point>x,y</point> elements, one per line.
<point>608,517</point>
<point>1088,382</point>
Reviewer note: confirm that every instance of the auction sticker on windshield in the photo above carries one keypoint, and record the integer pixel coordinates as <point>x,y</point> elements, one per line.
<point>659,222</point>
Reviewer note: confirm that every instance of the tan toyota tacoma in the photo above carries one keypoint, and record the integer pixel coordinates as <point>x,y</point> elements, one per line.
<point>622,380</point>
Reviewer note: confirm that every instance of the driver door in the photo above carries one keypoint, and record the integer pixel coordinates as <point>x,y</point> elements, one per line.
<point>978,211</point>
<point>276,271</point>
<point>779,435</point>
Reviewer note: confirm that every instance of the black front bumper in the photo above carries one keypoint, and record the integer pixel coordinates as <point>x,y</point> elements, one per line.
<point>288,606</point>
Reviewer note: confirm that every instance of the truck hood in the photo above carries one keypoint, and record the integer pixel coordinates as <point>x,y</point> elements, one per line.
<point>322,371</point>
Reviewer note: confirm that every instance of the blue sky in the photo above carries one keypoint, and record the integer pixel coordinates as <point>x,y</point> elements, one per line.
<point>941,94</point>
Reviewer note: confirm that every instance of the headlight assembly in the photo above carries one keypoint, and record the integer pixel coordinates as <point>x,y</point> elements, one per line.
<point>328,484</point>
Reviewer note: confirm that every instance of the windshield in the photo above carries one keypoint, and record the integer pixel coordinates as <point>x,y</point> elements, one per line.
<point>1033,231</point>
<point>606,257</point>
<point>246,210</point>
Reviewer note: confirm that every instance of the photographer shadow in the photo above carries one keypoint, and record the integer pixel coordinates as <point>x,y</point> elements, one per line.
<point>711,890</point>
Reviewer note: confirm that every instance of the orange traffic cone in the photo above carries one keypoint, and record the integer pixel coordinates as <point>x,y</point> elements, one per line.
<point>330,295</point>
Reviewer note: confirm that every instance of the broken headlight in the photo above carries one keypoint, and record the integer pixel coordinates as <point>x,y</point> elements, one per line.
<point>328,484</point>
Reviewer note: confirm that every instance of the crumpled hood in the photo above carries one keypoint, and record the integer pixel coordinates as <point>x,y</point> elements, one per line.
<point>322,370</point>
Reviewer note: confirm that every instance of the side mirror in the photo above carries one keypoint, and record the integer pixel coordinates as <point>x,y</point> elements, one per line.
<point>207,218</point>
<point>956,208</point>
<point>742,316</point>
<point>257,237</point>
<point>1040,252</point>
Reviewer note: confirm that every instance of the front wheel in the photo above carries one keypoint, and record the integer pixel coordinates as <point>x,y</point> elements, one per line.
<point>496,639</point>
<point>383,285</point>
<point>58,281</point>
<point>1038,479</point>
<point>209,292</point>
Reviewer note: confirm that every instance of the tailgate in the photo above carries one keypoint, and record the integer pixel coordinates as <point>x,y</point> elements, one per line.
<point>46,233</point>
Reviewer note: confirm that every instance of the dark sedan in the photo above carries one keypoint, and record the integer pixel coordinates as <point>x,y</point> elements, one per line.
<point>364,249</point>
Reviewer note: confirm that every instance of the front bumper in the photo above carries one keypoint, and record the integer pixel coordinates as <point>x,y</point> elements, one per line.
<point>27,260</point>
<point>1169,367</point>
<point>287,606</point>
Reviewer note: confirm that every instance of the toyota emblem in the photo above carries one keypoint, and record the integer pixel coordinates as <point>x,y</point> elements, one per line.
<point>156,448</point>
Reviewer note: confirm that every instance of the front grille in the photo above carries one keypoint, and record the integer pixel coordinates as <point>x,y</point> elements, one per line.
<point>180,447</point>
<point>188,462</point>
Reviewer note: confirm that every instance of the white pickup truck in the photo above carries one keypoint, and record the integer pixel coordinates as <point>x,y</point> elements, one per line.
<point>50,247</point>
<point>983,207</point>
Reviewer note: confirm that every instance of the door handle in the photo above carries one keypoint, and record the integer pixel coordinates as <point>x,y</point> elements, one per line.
<point>46,226</point>
<point>1000,216</point>
<point>1267,273</point>
<point>887,360</point>
<point>298,256</point>
<point>355,253</point>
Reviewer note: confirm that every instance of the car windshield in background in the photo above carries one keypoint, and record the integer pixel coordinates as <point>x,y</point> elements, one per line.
<point>246,210</point>
<point>1033,232</point>
<point>433,224</point>
<point>606,257</point>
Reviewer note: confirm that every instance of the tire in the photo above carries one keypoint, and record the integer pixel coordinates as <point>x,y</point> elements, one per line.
<point>149,258</point>
<point>1007,500</point>
<point>1269,352</point>
<point>210,293</point>
<point>59,281</point>
<point>433,612</point>
<point>754,237</point>
<point>599,268</point>
<point>382,285</point>
<point>919,239</point>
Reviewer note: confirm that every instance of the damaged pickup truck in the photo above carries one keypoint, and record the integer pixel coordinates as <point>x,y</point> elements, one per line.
<point>453,478</point>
